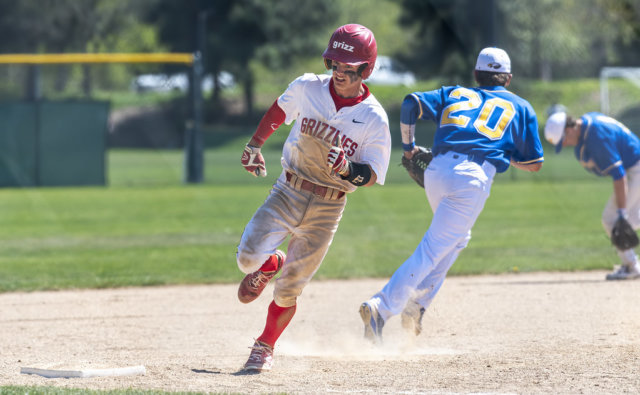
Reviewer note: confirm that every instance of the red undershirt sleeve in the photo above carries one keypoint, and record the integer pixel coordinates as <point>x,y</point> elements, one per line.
<point>272,119</point>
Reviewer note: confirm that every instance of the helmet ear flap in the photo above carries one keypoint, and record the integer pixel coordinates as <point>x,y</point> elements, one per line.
<point>362,68</point>
<point>327,63</point>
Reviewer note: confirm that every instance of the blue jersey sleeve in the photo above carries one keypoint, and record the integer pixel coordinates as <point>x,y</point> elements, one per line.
<point>429,104</point>
<point>528,148</point>
<point>606,156</point>
<point>605,146</point>
<point>410,110</point>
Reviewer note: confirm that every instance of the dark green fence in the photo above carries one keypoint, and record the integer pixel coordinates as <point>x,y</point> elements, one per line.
<point>53,143</point>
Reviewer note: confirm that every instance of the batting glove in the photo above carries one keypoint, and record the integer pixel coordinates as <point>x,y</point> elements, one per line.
<point>253,161</point>
<point>337,161</point>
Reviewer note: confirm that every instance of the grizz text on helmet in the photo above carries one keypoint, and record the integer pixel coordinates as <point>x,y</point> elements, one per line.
<point>354,45</point>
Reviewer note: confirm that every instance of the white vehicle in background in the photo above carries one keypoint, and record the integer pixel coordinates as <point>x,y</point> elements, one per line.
<point>176,82</point>
<point>390,72</point>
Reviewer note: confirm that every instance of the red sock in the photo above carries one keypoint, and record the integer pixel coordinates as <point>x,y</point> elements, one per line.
<point>270,264</point>
<point>277,319</point>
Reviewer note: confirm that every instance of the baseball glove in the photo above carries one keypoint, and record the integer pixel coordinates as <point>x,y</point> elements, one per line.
<point>623,236</point>
<point>418,164</point>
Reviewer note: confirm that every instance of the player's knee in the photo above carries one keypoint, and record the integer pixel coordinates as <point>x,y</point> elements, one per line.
<point>462,244</point>
<point>285,299</point>
<point>248,262</point>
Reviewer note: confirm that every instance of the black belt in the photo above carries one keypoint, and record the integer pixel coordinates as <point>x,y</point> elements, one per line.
<point>473,157</point>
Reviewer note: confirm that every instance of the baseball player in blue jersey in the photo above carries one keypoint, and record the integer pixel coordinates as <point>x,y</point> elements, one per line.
<point>480,132</point>
<point>606,147</point>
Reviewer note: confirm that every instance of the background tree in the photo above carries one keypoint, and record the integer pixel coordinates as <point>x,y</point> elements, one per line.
<point>547,39</point>
<point>178,23</point>
<point>626,15</point>
<point>538,42</point>
<point>449,33</point>
<point>62,26</point>
<point>273,32</point>
<point>570,38</point>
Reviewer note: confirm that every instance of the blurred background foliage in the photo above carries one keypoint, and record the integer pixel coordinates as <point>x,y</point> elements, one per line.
<point>262,45</point>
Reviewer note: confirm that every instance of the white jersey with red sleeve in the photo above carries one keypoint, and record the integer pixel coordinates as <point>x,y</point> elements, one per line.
<point>361,129</point>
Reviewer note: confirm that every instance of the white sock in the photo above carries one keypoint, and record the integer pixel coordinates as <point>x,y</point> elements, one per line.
<point>629,257</point>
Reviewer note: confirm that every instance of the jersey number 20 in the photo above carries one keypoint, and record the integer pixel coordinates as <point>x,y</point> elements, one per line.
<point>473,102</point>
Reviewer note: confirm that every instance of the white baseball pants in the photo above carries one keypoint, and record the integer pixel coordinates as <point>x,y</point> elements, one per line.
<point>610,213</point>
<point>310,221</point>
<point>457,189</point>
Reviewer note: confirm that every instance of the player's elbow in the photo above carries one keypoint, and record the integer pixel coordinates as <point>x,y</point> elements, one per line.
<point>373,178</point>
<point>409,110</point>
<point>535,167</point>
<point>531,167</point>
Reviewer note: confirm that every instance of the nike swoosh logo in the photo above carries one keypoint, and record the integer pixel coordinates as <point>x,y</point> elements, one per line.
<point>354,121</point>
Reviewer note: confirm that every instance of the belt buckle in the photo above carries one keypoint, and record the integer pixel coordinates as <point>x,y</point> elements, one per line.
<point>317,190</point>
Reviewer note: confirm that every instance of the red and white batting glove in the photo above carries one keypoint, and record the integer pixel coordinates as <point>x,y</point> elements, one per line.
<point>253,161</point>
<point>337,161</point>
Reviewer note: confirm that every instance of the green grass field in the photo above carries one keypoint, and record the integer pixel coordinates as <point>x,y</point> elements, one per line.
<point>148,228</point>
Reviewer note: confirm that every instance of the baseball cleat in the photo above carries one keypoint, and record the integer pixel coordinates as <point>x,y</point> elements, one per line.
<point>412,317</point>
<point>261,357</point>
<point>373,323</point>
<point>254,283</point>
<point>625,272</point>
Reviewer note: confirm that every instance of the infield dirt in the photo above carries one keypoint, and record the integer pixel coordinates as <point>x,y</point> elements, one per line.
<point>515,333</point>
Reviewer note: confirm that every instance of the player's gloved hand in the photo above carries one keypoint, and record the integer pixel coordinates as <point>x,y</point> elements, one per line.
<point>623,236</point>
<point>337,161</point>
<point>253,161</point>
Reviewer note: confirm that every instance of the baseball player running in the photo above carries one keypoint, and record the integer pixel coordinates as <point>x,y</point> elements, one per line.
<point>340,141</point>
<point>480,131</point>
<point>606,147</point>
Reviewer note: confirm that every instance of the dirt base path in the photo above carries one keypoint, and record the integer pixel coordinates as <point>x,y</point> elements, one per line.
<point>519,333</point>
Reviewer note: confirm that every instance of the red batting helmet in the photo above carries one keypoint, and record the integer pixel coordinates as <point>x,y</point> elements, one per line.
<point>354,45</point>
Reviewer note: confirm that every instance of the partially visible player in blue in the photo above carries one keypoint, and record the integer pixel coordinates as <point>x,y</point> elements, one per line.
<point>481,131</point>
<point>605,147</point>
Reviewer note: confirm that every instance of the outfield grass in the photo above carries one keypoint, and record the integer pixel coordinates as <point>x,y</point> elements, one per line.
<point>148,228</point>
